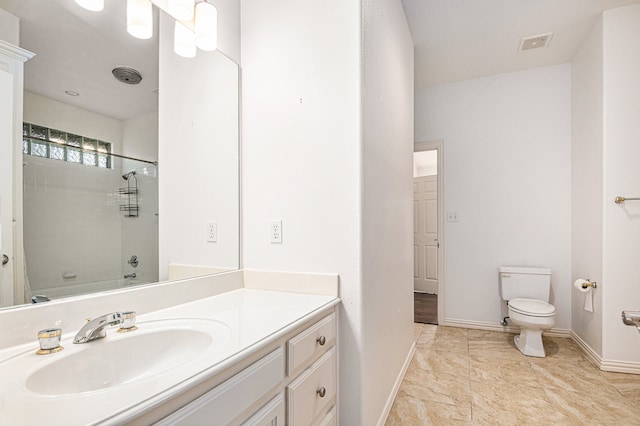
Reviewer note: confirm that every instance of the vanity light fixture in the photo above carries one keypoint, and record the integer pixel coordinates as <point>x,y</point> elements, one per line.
<point>206,26</point>
<point>182,10</point>
<point>92,5</point>
<point>196,23</point>
<point>184,41</point>
<point>140,18</point>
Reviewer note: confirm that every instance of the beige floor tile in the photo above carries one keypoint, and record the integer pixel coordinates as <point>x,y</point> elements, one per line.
<point>442,362</point>
<point>624,383</point>
<point>559,349</point>
<point>502,349</point>
<point>579,376</point>
<point>594,409</point>
<point>500,371</point>
<point>485,335</point>
<point>512,405</point>
<point>409,410</point>
<point>476,377</point>
<point>447,388</point>
<point>444,338</point>
<point>417,330</point>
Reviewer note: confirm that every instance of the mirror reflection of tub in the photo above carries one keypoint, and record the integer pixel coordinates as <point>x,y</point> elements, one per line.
<point>53,293</point>
<point>83,223</point>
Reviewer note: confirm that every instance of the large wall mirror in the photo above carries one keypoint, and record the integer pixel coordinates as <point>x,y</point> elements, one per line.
<point>124,182</point>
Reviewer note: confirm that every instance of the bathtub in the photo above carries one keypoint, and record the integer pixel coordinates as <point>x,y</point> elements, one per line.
<point>84,288</point>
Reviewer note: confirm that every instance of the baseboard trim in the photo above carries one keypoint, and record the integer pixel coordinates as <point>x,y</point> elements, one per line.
<point>605,364</point>
<point>396,386</point>
<point>591,355</point>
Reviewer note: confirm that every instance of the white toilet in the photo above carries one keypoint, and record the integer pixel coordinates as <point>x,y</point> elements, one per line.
<point>526,291</point>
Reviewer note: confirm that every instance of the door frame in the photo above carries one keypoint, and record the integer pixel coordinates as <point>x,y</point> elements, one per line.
<point>438,146</point>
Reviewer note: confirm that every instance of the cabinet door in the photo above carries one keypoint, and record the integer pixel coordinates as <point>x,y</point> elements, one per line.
<point>272,414</point>
<point>226,402</point>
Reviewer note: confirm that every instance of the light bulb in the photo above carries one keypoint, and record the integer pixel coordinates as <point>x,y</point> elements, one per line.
<point>206,26</point>
<point>92,5</point>
<point>184,41</point>
<point>182,10</point>
<point>140,18</point>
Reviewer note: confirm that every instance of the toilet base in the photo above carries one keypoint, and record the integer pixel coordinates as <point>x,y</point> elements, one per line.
<point>529,342</point>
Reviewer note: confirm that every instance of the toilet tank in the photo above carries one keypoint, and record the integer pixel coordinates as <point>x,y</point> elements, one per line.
<point>525,282</point>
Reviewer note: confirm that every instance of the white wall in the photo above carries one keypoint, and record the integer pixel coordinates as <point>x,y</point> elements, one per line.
<point>58,115</point>
<point>228,28</point>
<point>307,161</point>
<point>301,155</point>
<point>387,202</point>
<point>9,28</point>
<point>140,137</point>
<point>621,30</point>
<point>587,185</point>
<point>197,157</point>
<point>507,143</point>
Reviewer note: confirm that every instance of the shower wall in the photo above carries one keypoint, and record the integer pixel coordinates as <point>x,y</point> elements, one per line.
<point>74,231</point>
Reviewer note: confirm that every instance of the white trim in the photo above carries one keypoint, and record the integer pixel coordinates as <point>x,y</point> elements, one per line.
<point>15,52</point>
<point>591,355</point>
<point>605,364</point>
<point>438,145</point>
<point>620,366</point>
<point>396,386</point>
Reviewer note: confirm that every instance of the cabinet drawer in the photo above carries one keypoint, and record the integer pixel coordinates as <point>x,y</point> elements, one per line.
<point>304,400</point>
<point>224,403</point>
<point>311,343</point>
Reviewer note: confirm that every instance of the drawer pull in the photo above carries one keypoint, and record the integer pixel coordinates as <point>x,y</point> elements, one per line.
<point>321,340</point>
<point>321,392</point>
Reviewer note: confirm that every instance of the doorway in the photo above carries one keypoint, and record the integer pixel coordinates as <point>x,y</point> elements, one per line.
<point>428,232</point>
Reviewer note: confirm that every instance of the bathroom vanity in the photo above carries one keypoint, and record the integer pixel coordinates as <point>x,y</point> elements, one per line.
<point>249,354</point>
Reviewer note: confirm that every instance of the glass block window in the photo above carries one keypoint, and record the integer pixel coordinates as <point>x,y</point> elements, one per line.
<point>59,145</point>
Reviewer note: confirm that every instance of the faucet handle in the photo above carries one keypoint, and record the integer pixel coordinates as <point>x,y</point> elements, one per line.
<point>49,341</point>
<point>128,322</point>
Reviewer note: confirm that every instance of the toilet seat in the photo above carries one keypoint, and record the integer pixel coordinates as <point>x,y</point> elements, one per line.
<point>532,307</point>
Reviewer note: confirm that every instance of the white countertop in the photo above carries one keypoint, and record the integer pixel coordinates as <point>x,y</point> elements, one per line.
<point>254,319</point>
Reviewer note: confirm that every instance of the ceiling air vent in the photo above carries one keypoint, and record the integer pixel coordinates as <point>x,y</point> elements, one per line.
<point>534,42</point>
<point>127,75</point>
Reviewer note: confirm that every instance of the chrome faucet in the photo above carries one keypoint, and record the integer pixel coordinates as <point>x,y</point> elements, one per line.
<point>96,328</point>
<point>131,275</point>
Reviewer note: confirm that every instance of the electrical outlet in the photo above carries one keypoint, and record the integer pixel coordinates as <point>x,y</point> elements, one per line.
<point>212,232</point>
<point>276,232</point>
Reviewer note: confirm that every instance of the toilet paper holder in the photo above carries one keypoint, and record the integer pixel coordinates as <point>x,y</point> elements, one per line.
<point>590,284</point>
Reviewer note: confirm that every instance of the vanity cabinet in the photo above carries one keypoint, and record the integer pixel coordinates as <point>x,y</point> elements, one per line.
<point>295,383</point>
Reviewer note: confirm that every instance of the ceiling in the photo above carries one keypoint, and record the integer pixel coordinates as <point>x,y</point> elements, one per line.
<point>76,50</point>
<point>454,40</point>
<point>464,39</point>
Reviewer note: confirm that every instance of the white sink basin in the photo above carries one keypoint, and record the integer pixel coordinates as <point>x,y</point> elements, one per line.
<point>156,348</point>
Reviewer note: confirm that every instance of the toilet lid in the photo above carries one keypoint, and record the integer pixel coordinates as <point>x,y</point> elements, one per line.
<point>533,307</point>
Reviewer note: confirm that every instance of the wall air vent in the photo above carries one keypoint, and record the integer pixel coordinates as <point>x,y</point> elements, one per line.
<point>534,42</point>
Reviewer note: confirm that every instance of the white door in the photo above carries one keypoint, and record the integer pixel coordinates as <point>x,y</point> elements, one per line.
<point>425,234</point>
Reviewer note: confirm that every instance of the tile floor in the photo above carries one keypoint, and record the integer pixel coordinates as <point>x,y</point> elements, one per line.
<point>461,376</point>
